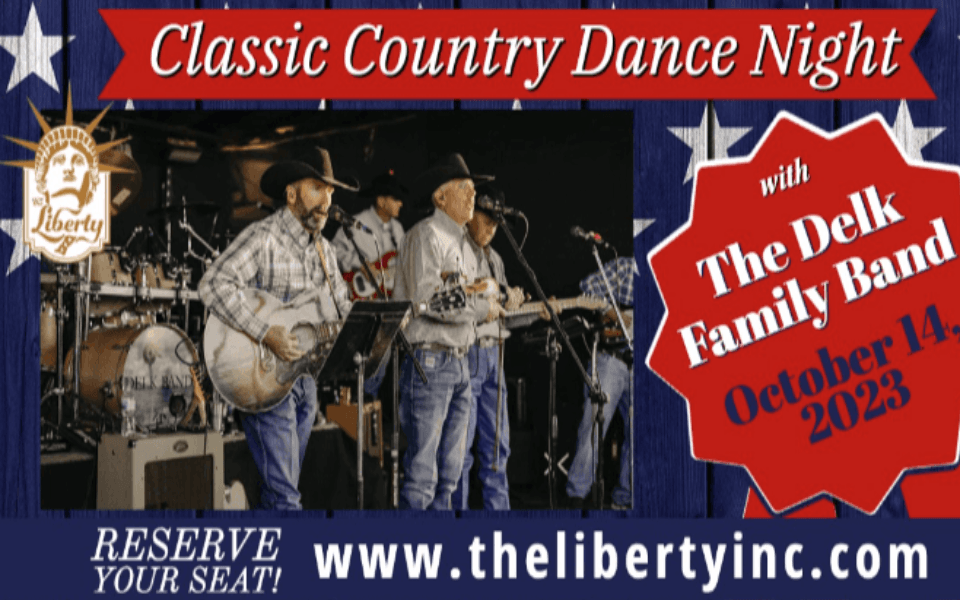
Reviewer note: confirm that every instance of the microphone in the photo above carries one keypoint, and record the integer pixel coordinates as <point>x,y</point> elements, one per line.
<point>341,216</point>
<point>488,203</point>
<point>589,236</point>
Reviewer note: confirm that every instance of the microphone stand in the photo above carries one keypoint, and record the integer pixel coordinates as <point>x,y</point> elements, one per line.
<point>598,425</point>
<point>610,297</point>
<point>596,394</point>
<point>401,338</point>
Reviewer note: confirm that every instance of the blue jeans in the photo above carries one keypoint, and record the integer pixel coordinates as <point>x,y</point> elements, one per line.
<point>434,420</point>
<point>483,424</point>
<point>278,441</point>
<point>614,377</point>
<point>372,385</point>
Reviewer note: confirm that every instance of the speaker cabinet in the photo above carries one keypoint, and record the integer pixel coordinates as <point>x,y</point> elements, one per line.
<point>160,472</point>
<point>345,415</point>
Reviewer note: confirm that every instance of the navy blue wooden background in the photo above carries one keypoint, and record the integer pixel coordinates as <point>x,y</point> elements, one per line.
<point>669,483</point>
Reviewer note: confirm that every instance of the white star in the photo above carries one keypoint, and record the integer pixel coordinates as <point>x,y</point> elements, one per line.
<point>20,254</point>
<point>516,105</point>
<point>640,224</point>
<point>911,138</point>
<point>696,138</point>
<point>128,105</point>
<point>613,5</point>
<point>323,105</point>
<point>33,52</point>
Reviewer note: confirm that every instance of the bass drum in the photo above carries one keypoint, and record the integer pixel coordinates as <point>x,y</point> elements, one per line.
<point>149,364</point>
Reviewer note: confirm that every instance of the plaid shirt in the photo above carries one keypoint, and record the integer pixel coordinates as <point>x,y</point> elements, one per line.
<point>620,274</point>
<point>277,256</point>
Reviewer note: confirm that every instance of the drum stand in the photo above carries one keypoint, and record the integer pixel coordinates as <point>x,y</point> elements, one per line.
<point>191,235</point>
<point>61,316</point>
<point>61,427</point>
<point>80,329</point>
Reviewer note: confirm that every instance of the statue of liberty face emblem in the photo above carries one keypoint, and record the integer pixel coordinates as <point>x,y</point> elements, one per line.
<point>66,190</point>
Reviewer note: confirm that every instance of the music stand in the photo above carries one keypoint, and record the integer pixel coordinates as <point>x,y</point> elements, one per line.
<point>360,349</point>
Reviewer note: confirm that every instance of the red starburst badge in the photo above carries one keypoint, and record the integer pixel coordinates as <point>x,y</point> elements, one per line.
<point>813,313</point>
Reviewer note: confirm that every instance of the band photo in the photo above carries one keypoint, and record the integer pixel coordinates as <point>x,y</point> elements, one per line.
<point>337,310</point>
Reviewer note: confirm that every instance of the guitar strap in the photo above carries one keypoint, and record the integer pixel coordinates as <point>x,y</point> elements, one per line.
<point>393,238</point>
<point>318,243</point>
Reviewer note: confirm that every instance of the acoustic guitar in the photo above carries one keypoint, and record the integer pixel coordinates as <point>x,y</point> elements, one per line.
<point>250,377</point>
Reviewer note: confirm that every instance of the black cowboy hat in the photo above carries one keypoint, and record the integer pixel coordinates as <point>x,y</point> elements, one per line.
<point>385,184</point>
<point>275,180</point>
<point>488,190</point>
<point>497,196</point>
<point>448,168</point>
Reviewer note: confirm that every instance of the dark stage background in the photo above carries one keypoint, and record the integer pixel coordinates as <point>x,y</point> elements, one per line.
<point>560,168</point>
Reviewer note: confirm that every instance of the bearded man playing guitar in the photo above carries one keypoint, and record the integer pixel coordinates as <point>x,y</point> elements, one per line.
<point>284,256</point>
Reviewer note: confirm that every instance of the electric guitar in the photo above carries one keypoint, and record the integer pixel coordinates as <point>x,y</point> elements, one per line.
<point>361,288</point>
<point>527,313</point>
<point>250,377</point>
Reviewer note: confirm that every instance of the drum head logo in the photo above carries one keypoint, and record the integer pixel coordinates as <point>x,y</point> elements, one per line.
<point>66,189</point>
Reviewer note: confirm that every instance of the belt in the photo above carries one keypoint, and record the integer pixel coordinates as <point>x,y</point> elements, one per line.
<point>433,347</point>
<point>488,342</point>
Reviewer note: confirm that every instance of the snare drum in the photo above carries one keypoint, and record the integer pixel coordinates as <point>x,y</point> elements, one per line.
<point>151,365</point>
<point>106,268</point>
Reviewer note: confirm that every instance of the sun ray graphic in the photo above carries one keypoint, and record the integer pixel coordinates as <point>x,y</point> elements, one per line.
<point>68,122</point>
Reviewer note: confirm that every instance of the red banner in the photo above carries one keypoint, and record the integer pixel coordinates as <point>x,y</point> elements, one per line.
<point>493,54</point>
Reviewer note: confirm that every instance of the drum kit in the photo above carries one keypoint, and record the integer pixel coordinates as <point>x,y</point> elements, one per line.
<point>132,335</point>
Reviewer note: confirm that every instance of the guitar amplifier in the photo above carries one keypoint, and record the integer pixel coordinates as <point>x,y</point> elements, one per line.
<point>345,415</point>
<point>160,472</point>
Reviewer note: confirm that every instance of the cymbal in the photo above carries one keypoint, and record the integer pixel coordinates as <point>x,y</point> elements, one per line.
<point>203,208</point>
<point>250,211</point>
<point>123,186</point>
